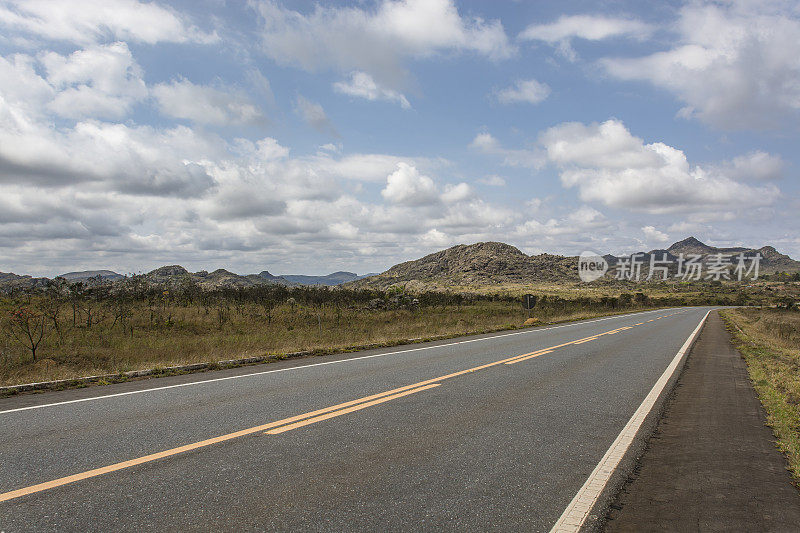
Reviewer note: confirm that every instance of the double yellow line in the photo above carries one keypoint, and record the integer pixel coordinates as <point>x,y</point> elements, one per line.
<point>297,421</point>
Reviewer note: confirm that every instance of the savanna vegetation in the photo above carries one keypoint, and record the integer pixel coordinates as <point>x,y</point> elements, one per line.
<point>769,340</point>
<point>69,331</point>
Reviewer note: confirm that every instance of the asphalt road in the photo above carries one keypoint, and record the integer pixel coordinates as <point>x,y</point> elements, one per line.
<point>444,435</point>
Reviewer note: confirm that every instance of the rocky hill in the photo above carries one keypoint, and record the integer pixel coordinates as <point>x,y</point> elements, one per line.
<point>496,263</point>
<point>483,263</point>
<point>771,260</point>
<point>10,282</point>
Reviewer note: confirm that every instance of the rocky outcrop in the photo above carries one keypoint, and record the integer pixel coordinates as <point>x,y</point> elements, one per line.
<point>496,263</point>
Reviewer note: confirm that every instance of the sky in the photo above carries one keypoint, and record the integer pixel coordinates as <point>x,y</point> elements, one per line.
<point>310,137</point>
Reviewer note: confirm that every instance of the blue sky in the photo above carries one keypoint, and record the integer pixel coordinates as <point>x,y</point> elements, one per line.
<point>305,137</point>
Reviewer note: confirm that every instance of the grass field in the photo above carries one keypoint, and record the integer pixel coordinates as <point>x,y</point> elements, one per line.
<point>769,340</point>
<point>159,333</point>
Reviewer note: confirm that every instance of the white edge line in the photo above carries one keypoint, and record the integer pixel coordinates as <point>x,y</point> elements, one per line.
<point>42,406</point>
<point>576,513</point>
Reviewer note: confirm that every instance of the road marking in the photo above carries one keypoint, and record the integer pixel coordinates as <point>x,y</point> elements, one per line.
<point>252,374</point>
<point>335,410</point>
<point>534,354</point>
<point>188,447</point>
<point>340,412</point>
<point>576,513</point>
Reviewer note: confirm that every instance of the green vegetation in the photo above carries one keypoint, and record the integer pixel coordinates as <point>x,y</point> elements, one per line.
<point>69,331</point>
<point>769,340</point>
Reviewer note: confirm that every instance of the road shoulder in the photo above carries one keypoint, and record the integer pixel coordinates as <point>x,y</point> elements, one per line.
<point>711,463</point>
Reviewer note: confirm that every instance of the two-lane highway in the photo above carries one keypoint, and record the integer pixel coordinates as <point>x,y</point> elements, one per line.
<point>492,432</point>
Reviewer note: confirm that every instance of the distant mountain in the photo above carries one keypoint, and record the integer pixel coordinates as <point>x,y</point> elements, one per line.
<point>337,278</point>
<point>174,275</point>
<point>106,275</point>
<point>480,264</point>
<point>10,282</point>
<point>269,277</point>
<point>222,278</point>
<point>771,260</point>
<point>496,263</point>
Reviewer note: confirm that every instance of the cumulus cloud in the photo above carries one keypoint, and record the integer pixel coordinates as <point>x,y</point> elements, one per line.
<point>361,85</point>
<point>407,186</point>
<point>314,115</point>
<point>609,165</point>
<point>582,220</point>
<point>755,166</point>
<point>139,159</point>
<point>206,105</point>
<point>91,21</point>
<point>457,193</point>
<point>523,91</point>
<point>652,235</point>
<point>100,81</point>
<point>375,41</point>
<point>588,27</point>
<point>488,144</point>
<point>734,64</point>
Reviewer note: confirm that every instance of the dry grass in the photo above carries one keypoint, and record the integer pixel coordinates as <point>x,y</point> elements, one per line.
<point>770,342</point>
<point>175,335</point>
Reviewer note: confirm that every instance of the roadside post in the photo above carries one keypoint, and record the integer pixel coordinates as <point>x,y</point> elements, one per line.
<point>529,302</point>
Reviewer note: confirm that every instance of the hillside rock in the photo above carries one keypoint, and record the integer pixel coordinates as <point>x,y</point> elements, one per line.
<point>484,263</point>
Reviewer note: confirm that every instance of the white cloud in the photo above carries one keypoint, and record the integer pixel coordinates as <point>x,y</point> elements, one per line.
<point>734,65</point>
<point>755,166</point>
<point>138,159</point>
<point>534,203</point>
<point>362,85</point>
<point>21,88</point>
<point>100,81</point>
<point>493,180</point>
<point>314,115</point>
<point>434,238</point>
<point>476,218</point>
<point>582,220</point>
<point>609,165</point>
<point>588,27</point>
<point>362,167</point>
<point>527,91</point>
<point>487,144</point>
<point>88,21</point>
<point>205,105</point>
<point>406,186</point>
<point>457,193</point>
<point>652,235</point>
<point>378,40</point>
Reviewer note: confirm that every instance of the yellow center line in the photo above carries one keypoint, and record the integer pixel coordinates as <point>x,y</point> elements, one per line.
<point>531,356</point>
<point>290,423</point>
<point>348,410</point>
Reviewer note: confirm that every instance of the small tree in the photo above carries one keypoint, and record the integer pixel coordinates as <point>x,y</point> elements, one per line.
<point>27,328</point>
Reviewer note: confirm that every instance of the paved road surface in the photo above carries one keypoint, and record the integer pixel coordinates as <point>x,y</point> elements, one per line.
<point>444,435</point>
